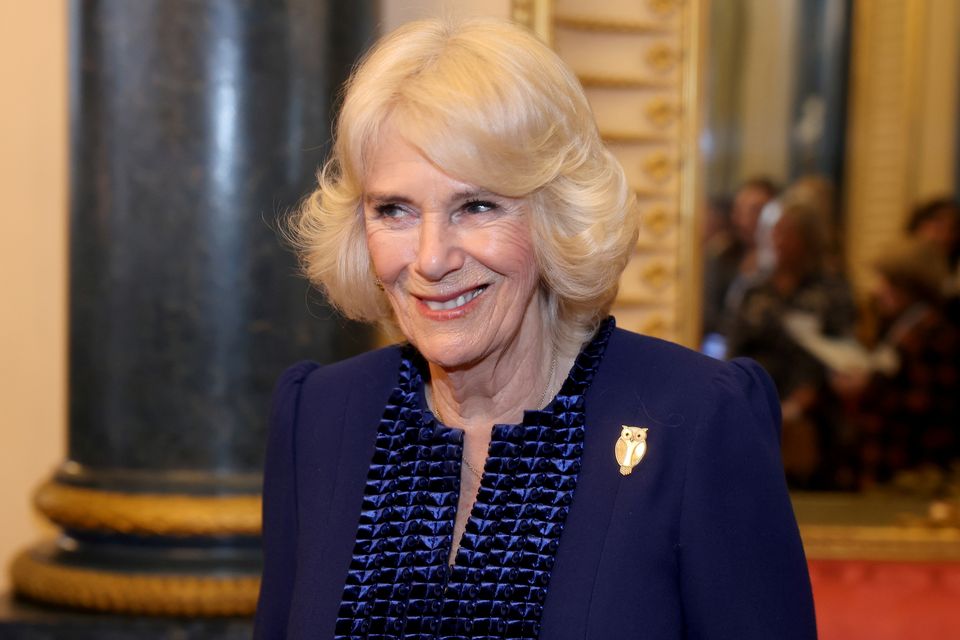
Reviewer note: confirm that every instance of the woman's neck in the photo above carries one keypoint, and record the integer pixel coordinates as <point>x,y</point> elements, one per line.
<point>498,388</point>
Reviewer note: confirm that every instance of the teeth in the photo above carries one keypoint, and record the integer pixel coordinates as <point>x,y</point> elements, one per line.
<point>459,301</point>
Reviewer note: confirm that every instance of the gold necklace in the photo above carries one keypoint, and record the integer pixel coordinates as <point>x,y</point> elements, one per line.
<point>473,469</point>
<point>543,401</point>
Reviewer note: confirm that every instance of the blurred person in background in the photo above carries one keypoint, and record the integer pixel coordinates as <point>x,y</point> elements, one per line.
<point>819,195</point>
<point>748,202</point>
<point>798,282</point>
<point>937,222</point>
<point>721,251</point>
<point>730,253</point>
<point>907,415</point>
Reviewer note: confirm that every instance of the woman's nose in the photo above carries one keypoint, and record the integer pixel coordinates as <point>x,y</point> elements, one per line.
<point>438,252</point>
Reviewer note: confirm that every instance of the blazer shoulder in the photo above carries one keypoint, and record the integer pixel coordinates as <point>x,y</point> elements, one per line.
<point>658,361</point>
<point>678,385</point>
<point>369,368</point>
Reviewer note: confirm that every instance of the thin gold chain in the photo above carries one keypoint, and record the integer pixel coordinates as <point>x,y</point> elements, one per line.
<point>473,469</point>
<point>543,401</point>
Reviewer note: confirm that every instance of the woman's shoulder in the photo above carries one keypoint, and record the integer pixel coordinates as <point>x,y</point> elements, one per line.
<point>656,368</point>
<point>370,370</point>
<point>640,354</point>
<point>361,368</point>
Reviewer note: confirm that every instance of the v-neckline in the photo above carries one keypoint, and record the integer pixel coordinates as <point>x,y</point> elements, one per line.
<point>399,580</point>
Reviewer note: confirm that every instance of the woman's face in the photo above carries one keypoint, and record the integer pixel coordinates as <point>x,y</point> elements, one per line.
<point>456,262</point>
<point>791,250</point>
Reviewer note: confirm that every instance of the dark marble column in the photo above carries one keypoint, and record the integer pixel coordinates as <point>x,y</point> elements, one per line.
<point>195,125</point>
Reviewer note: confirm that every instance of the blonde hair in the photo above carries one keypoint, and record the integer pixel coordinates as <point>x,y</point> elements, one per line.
<point>492,106</point>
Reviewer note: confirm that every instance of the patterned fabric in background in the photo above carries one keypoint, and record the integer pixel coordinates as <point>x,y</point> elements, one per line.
<point>756,330</point>
<point>912,417</point>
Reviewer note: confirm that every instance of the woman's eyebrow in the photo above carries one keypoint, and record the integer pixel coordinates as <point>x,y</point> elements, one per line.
<point>472,194</point>
<point>374,197</point>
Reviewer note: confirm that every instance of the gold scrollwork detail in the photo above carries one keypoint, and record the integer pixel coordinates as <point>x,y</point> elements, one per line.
<point>602,81</point>
<point>522,12</point>
<point>657,220</point>
<point>884,543</point>
<point>536,15</point>
<point>661,112</point>
<point>631,137</point>
<point>585,23</point>
<point>657,326</point>
<point>663,8</point>
<point>148,514</point>
<point>658,166</point>
<point>662,57</point>
<point>656,275</point>
<point>132,593</point>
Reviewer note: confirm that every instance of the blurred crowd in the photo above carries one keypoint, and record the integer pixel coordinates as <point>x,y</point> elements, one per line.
<point>869,380</point>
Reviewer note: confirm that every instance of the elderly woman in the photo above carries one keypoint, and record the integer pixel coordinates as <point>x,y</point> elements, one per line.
<point>520,468</point>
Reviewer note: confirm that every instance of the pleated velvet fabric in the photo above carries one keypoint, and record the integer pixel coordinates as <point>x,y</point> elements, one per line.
<point>399,584</point>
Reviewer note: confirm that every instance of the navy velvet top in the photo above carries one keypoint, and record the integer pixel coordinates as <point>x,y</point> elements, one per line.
<point>361,487</point>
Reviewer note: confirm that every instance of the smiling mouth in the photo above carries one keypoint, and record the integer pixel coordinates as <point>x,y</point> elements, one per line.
<point>454,303</point>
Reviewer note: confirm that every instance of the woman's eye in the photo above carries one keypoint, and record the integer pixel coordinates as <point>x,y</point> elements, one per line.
<point>479,206</point>
<point>389,211</point>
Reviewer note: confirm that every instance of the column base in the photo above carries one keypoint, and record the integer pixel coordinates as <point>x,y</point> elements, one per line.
<point>24,620</point>
<point>40,573</point>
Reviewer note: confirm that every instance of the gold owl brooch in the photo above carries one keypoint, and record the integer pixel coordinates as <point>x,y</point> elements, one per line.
<point>631,447</point>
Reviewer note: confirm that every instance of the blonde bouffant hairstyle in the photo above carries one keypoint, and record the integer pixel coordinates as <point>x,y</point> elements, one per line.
<point>492,106</point>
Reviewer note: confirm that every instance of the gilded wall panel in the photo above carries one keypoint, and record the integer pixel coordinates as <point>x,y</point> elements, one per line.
<point>637,60</point>
<point>653,169</point>
<point>664,13</point>
<point>659,225</point>
<point>641,115</point>
<point>881,120</point>
<point>645,57</point>
<point>648,280</point>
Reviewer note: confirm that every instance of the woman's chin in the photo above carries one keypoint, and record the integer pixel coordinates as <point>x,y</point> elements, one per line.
<point>447,354</point>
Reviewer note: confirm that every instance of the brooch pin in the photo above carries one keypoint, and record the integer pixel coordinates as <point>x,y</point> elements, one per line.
<point>631,447</point>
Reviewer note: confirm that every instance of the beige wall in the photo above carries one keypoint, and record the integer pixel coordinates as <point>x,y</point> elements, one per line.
<point>33,143</point>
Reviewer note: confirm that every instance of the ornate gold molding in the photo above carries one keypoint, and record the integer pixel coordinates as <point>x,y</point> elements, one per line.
<point>889,543</point>
<point>657,327</point>
<point>149,514</point>
<point>662,112</point>
<point>621,137</point>
<point>656,220</point>
<point>536,15</point>
<point>664,8</point>
<point>692,198</point>
<point>650,55</point>
<point>132,593</point>
<point>659,166</point>
<point>622,82</point>
<point>662,58</point>
<point>587,23</point>
<point>657,275</point>
<point>873,526</point>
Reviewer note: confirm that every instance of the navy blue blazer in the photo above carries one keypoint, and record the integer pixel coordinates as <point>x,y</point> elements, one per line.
<point>700,541</point>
